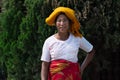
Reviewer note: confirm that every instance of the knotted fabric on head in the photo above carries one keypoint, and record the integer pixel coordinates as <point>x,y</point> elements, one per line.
<point>70,13</point>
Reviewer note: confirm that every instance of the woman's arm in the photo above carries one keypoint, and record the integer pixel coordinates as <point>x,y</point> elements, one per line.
<point>87,60</point>
<point>44,70</point>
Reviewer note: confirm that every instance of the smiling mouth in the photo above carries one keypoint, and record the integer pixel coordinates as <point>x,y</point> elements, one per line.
<point>61,27</point>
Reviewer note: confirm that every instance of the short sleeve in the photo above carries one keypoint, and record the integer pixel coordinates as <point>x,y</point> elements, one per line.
<point>45,52</point>
<point>85,45</point>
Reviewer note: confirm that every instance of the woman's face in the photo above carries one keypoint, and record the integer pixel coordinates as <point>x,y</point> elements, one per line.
<point>62,23</point>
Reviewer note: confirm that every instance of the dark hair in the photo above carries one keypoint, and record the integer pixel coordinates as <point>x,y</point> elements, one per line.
<point>60,14</point>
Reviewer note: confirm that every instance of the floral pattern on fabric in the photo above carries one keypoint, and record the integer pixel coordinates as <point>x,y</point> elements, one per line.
<point>64,70</point>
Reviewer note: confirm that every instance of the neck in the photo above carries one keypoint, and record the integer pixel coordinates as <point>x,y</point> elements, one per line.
<point>62,36</point>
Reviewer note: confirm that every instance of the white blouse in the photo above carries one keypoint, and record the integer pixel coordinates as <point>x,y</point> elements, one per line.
<point>54,49</point>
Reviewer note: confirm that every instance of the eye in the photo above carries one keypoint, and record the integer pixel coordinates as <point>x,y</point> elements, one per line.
<point>62,20</point>
<point>65,20</point>
<point>59,20</point>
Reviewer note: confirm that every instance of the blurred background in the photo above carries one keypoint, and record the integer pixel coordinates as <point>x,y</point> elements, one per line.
<point>23,31</point>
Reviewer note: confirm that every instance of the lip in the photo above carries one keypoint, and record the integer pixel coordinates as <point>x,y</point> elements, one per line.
<point>61,26</point>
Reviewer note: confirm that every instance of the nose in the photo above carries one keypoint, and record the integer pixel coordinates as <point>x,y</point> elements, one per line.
<point>62,23</point>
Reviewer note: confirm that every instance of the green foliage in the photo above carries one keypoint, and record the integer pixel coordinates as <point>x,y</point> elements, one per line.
<point>23,31</point>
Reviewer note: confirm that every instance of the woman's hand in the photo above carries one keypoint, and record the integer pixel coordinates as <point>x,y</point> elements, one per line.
<point>87,60</point>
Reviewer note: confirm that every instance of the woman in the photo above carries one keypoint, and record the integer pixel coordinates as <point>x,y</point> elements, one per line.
<point>59,55</point>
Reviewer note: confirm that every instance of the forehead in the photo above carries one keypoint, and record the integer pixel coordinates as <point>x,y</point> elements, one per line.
<point>62,15</point>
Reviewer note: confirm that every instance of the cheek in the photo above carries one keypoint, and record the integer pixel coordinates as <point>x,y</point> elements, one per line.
<point>57,24</point>
<point>67,26</point>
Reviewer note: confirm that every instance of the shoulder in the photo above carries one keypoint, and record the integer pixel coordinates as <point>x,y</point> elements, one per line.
<point>77,37</point>
<point>49,40</point>
<point>80,40</point>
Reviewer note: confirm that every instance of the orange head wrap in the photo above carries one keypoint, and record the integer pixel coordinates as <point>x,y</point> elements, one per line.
<point>75,26</point>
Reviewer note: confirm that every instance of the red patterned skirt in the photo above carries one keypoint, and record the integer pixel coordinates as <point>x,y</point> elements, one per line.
<point>64,70</point>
